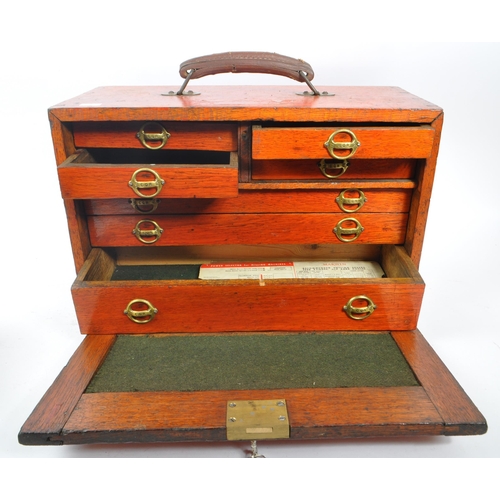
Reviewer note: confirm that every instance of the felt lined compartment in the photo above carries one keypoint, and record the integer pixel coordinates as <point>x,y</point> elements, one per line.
<point>259,361</point>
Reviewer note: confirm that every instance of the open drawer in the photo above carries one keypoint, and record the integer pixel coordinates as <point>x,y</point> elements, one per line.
<point>194,387</point>
<point>112,299</point>
<point>144,174</point>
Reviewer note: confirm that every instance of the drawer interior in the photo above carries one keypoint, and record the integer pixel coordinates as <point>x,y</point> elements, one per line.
<point>148,156</point>
<point>173,264</point>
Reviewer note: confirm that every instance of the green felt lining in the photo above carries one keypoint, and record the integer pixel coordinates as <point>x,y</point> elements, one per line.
<point>156,272</point>
<point>258,361</point>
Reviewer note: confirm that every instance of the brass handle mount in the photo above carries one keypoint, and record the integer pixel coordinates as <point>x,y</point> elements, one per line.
<point>147,231</point>
<point>350,204</point>
<point>144,206</point>
<point>152,135</point>
<point>145,179</point>
<point>333,147</point>
<point>348,230</point>
<point>333,170</point>
<point>140,311</point>
<point>357,312</point>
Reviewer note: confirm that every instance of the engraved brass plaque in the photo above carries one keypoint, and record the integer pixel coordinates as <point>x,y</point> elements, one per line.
<point>257,419</point>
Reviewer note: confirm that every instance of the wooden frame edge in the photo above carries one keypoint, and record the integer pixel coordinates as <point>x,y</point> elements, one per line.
<point>460,415</point>
<point>44,425</point>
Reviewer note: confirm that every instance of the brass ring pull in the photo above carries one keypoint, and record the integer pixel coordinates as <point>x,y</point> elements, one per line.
<point>348,230</point>
<point>338,168</point>
<point>141,315</point>
<point>333,146</point>
<point>359,313</point>
<point>144,206</point>
<point>147,236</point>
<point>160,136</point>
<point>155,183</point>
<point>354,204</point>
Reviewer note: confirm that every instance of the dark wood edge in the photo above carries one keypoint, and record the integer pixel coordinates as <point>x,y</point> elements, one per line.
<point>47,420</point>
<point>62,138</point>
<point>422,196</point>
<point>460,415</point>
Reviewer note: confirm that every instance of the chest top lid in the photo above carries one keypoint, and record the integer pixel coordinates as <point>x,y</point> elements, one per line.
<point>248,103</point>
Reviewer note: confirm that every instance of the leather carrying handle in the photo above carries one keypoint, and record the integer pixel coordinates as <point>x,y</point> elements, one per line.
<point>247,62</point>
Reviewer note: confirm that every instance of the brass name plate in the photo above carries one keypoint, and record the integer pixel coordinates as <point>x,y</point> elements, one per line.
<point>264,419</point>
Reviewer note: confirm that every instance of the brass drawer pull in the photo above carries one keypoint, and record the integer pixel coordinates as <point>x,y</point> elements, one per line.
<point>345,232</point>
<point>353,203</point>
<point>147,236</point>
<point>359,313</point>
<point>141,315</point>
<point>160,135</point>
<point>338,168</point>
<point>155,183</point>
<point>144,206</point>
<point>333,146</point>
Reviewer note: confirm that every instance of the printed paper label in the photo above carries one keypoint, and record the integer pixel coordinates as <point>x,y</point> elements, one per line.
<point>285,270</point>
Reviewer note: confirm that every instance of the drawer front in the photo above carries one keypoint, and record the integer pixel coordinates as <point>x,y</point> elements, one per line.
<point>345,200</point>
<point>190,136</point>
<point>326,170</point>
<point>80,179</point>
<point>391,303</point>
<point>287,143</point>
<point>247,229</point>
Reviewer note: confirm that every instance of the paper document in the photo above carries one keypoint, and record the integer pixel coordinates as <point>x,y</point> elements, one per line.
<point>284,270</point>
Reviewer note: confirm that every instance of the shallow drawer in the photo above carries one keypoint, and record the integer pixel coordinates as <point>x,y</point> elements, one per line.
<point>156,305</point>
<point>191,136</point>
<point>249,229</point>
<point>289,143</point>
<point>328,170</point>
<point>100,174</point>
<point>346,199</point>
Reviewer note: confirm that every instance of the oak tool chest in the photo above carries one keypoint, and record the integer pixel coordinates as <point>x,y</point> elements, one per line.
<point>247,263</point>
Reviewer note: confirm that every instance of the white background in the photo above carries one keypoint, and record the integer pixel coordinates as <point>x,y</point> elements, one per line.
<point>51,51</point>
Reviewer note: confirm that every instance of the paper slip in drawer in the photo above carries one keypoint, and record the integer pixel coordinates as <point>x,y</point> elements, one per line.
<point>282,270</point>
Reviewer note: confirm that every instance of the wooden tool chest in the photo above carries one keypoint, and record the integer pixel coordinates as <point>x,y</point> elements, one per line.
<point>158,184</point>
